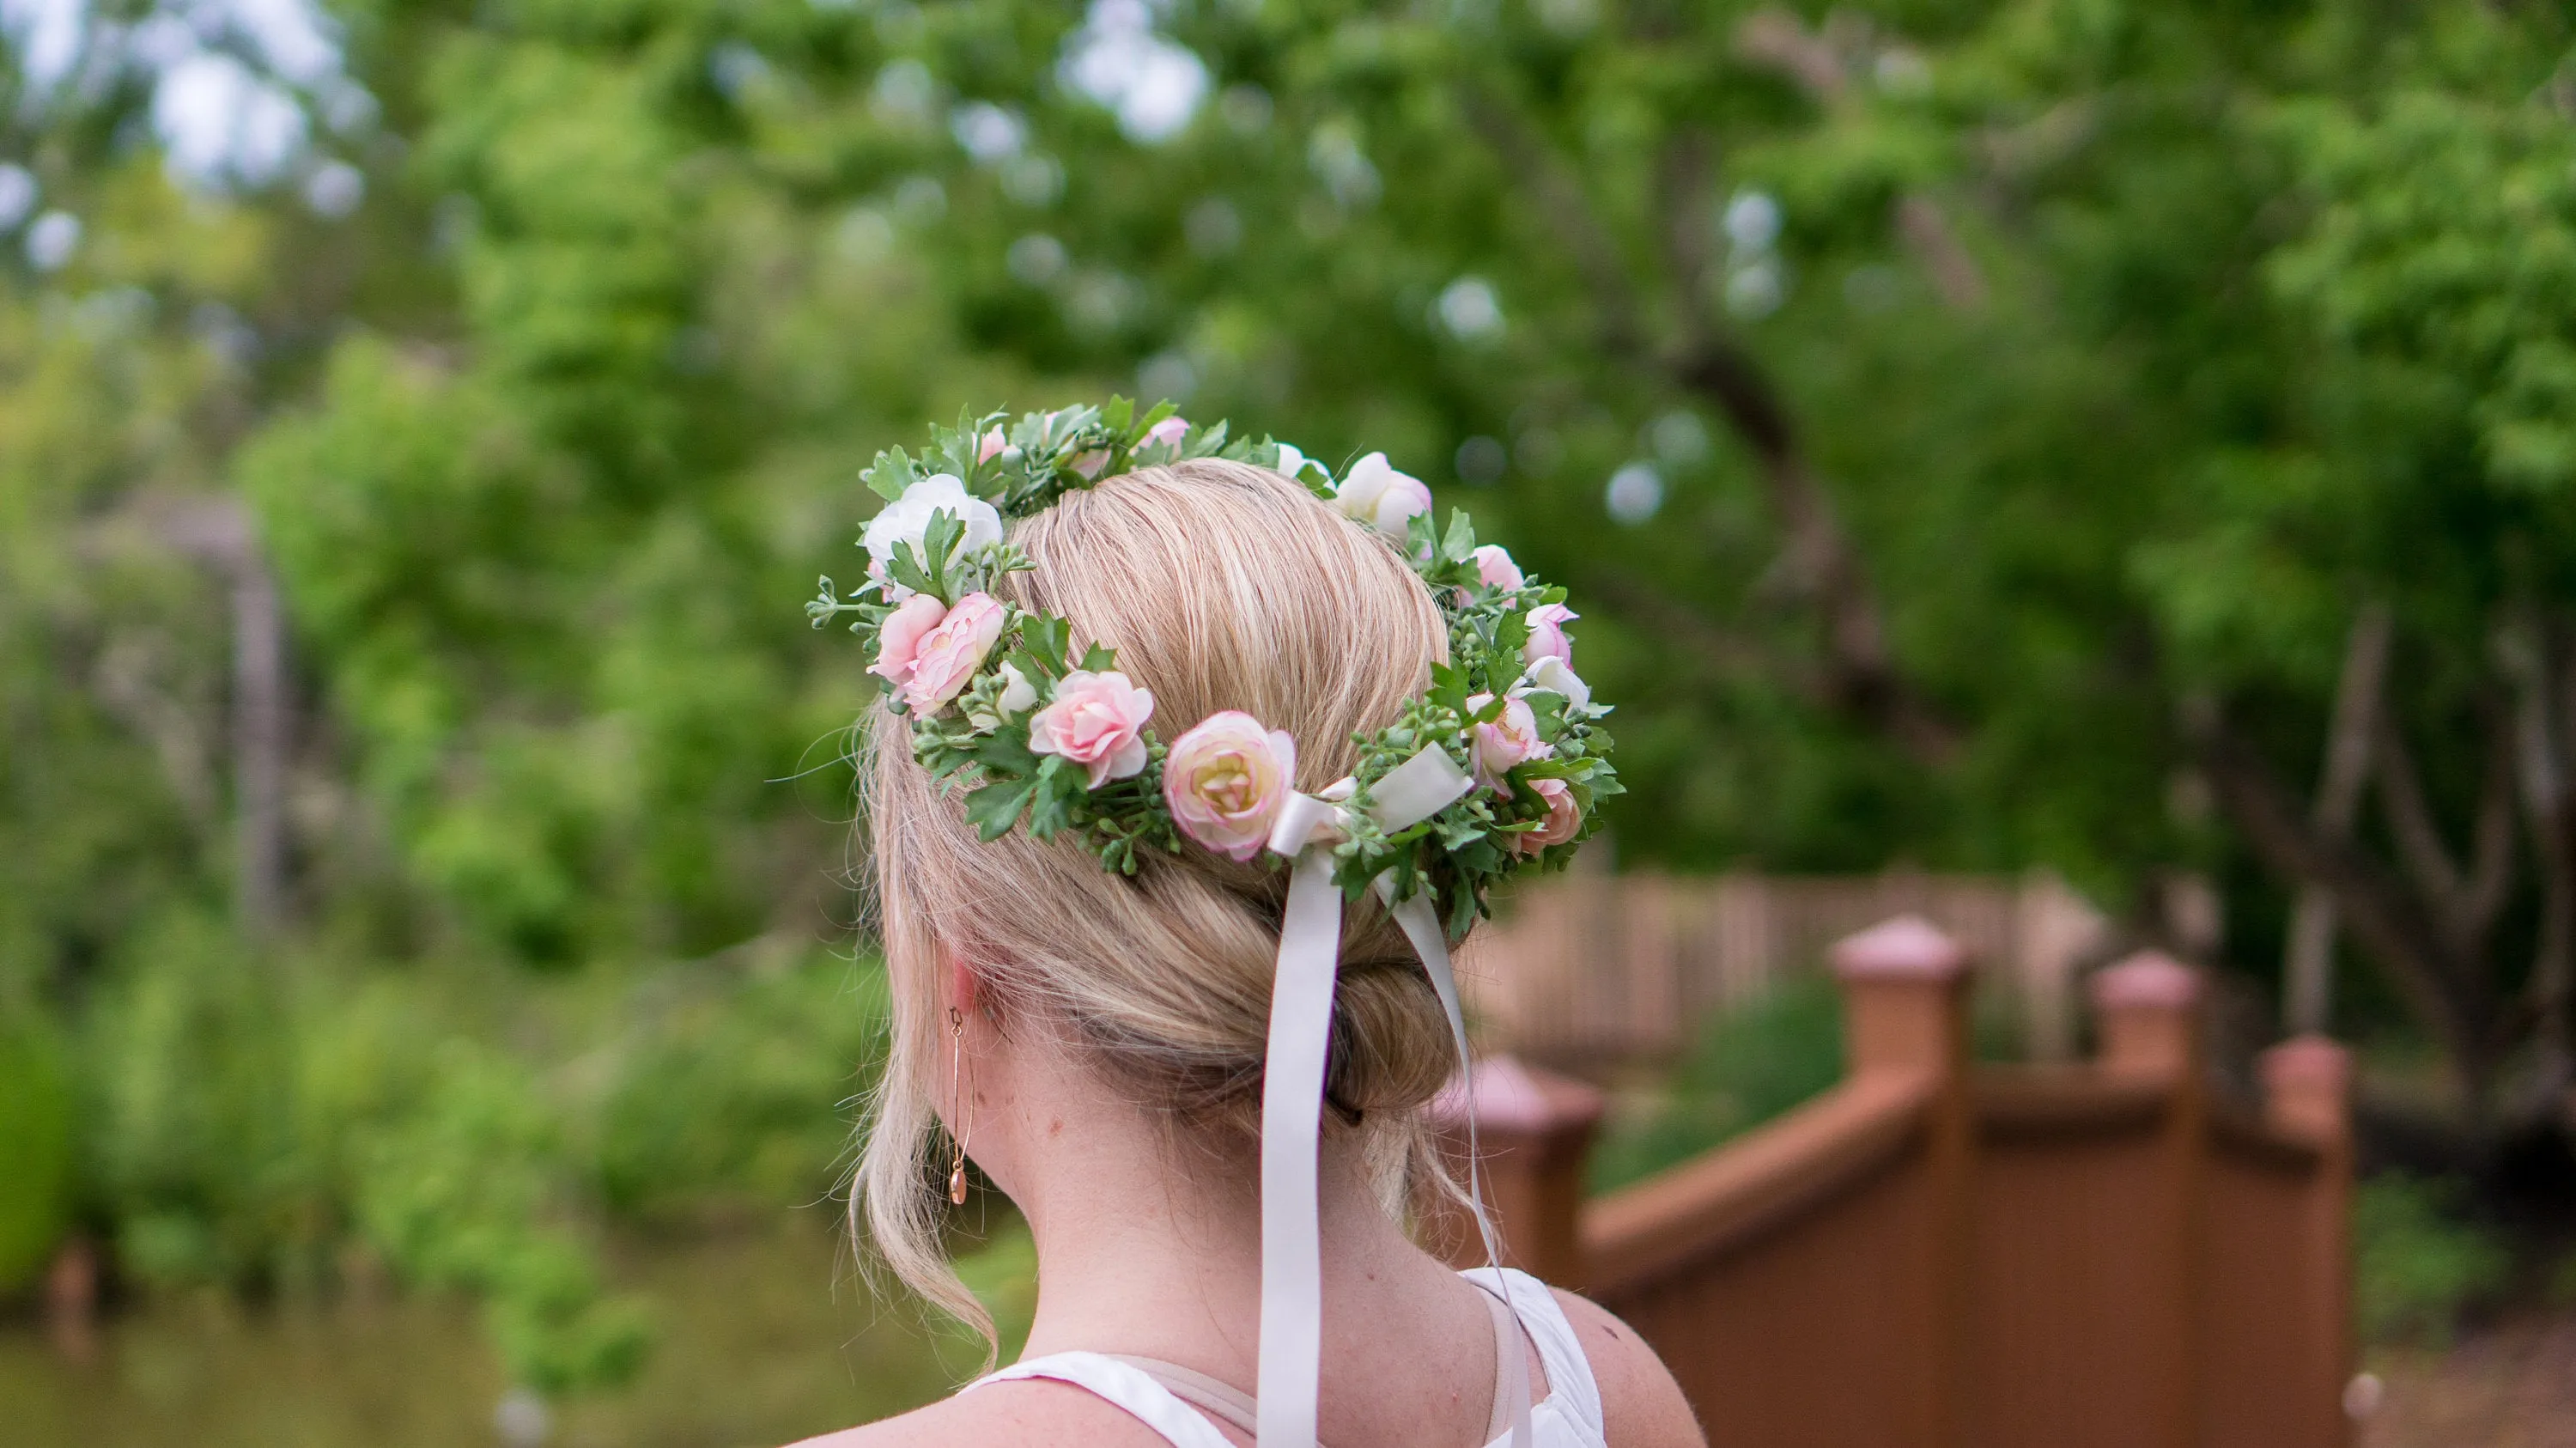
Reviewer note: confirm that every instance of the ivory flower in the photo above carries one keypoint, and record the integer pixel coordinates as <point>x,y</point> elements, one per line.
<point>1495,568</point>
<point>907,519</point>
<point>1292,463</point>
<point>1225,781</point>
<point>1018,694</point>
<point>1506,740</point>
<point>1376,494</point>
<point>1564,818</point>
<point>1547,638</point>
<point>1097,721</point>
<point>899,641</point>
<point>1170,430</point>
<point>1551,676</point>
<point>950,654</point>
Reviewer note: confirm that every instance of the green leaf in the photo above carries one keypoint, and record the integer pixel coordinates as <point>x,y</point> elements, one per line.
<point>904,567</point>
<point>1511,631</point>
<point>1099,659</point>
<point>1046,639</point>
<point>1006,752</point>
<point>1058,790</point>
<point>890,474</point>
<point>1459,544</point>
<point>993,809</point>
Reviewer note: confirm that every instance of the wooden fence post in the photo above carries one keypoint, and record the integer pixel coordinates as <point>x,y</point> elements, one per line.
<point>2307,1083</point>
<point>2149,1005</point>
<point>1534,1130</point>
<point>1904,987</point>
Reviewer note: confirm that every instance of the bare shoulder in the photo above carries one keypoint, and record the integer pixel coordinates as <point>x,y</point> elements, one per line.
<point>1641,1405</point>
<point>1029,1411</point>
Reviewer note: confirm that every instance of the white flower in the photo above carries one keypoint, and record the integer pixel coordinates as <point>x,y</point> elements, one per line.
<point>907,519</point>
<point>1018,694</point>
<point>1376,494</point>
<point>1292,463</point>
<point>1550,675</point>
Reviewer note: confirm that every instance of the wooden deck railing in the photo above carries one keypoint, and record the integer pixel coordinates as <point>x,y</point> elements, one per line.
<point>2101,1254</point>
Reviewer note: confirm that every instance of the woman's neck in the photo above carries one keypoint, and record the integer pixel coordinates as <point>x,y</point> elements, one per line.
<point>1149,1241</point>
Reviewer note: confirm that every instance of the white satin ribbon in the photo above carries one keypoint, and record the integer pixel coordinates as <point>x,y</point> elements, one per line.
<point>1292,1091</point>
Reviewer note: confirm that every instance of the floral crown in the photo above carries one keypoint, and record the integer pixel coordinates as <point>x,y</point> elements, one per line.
<point>1498,766</point>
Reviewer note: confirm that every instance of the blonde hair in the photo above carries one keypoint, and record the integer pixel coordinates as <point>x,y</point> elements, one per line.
<point>1221,586</point>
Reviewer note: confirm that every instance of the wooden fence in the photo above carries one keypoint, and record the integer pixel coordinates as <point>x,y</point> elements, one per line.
<point>1588,968</point>
<point>1931,1254</point>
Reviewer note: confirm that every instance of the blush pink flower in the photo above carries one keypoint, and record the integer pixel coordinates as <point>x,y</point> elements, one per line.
<point>1547,638</point>
<point>1170,430</point>
<point>991,446</point>
<point>1097,721</point>
<point>1564,818</point>
<point>1495,568</point>
<point>950,654</point>
<point>1225,781</point>
<point>1376,494</point>
<point>1090,463</point>
<point>899,640</point>
<point>1508,739</point>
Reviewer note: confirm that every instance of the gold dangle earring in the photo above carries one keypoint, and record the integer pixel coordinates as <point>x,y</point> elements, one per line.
<point>956,1108</point>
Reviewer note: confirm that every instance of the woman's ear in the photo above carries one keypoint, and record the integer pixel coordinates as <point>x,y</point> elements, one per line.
<point>965,989</point>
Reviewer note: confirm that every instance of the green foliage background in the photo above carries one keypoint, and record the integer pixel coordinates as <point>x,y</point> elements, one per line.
<point>545,441</point>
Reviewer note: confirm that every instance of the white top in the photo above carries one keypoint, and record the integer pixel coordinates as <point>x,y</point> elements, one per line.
<point>1568,1417</point>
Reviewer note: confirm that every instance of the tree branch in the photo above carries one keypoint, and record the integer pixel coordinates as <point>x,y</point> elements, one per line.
<point>2410,819</point>
<point>1821,63</point>
<point>2483,895</point>
<point>2447,993</point>
<point>1818,561</point>
<point>2308,972</point>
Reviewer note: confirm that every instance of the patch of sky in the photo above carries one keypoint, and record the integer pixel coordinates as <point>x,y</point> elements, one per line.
<point>231,80</point>
<point>987,132</point>
<point>1152,83</point>
<point>1635,493</point>
<point>1469,309</point>
<point>52,240</point>
<point>18,193</point>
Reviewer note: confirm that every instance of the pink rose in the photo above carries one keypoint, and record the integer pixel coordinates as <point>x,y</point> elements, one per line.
<point>950,654</point>
<point>991,447</point>
<point>1564,817</point>
<point>1495,568</point>
<point>1547,638</point>
<point>899,641</point>
<point>1225,781</point>
<point>1508,739</point>
<point>1095,720</point>
<point>1170,430</point>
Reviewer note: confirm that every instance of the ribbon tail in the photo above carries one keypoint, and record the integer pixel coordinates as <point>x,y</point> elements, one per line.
<point>1292,1104</point>
<point>1421,926</point>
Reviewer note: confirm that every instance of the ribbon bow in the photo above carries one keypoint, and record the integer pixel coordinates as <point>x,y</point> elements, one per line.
<point>1292,1091</point>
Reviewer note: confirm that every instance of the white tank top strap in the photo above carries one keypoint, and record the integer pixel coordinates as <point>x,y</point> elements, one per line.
<point>1570,1388</point>
<point>1123,1385</point>
<point>1573,1400</point>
